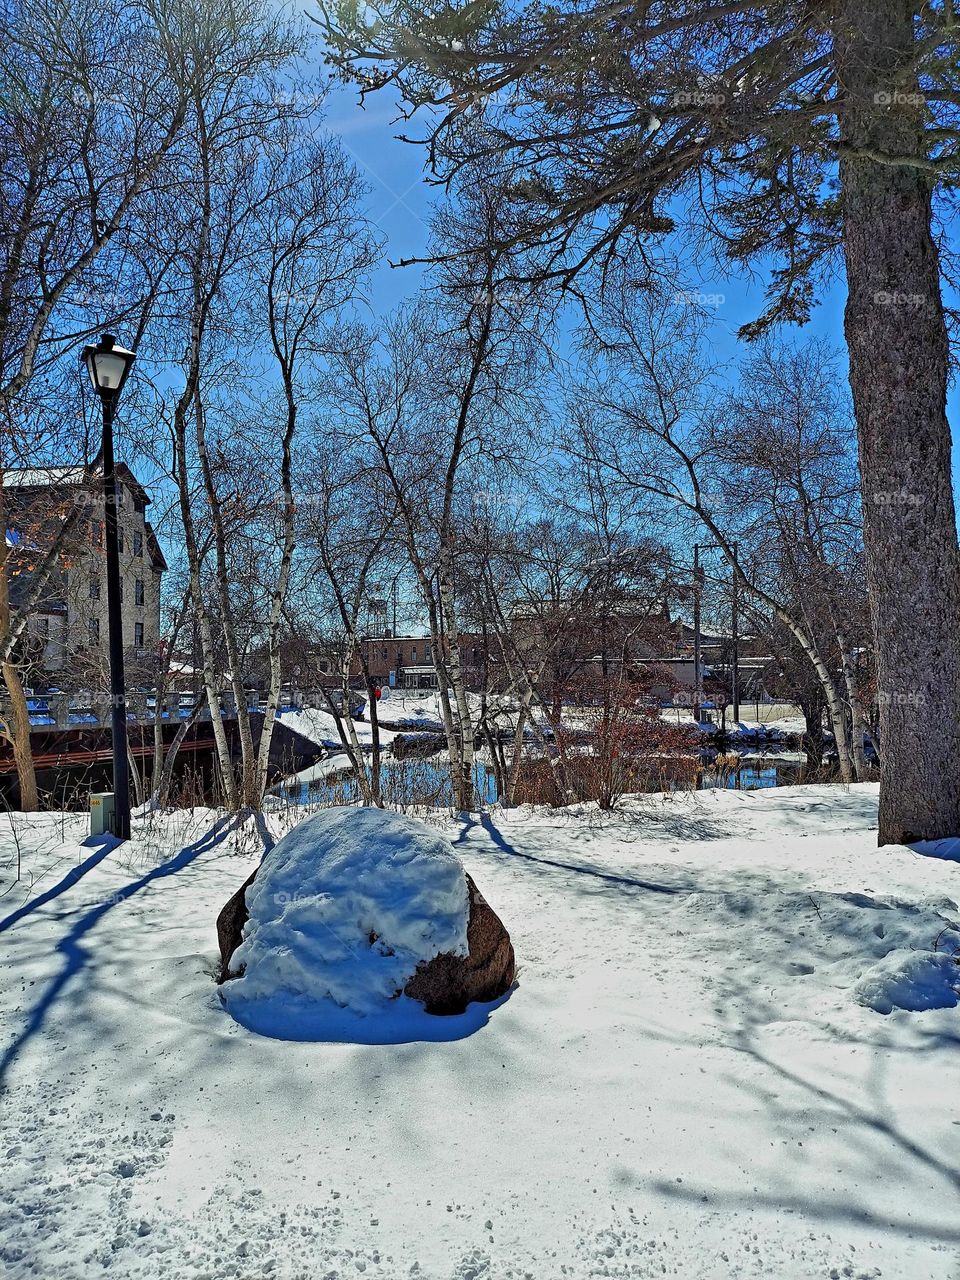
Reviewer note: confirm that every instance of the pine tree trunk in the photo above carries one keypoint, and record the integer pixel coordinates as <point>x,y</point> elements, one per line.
<point>897,343</point>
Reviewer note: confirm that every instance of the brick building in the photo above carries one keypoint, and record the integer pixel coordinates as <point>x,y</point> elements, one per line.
<point>69,627</point>
<point>407,662</point>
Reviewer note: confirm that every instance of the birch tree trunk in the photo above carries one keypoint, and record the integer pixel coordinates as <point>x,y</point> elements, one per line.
<point>463,780</point>
<point>165,780</point>
<point>249,795</point>
<point>279,593</point>
<point>210,683</point>
<point>857,719</point>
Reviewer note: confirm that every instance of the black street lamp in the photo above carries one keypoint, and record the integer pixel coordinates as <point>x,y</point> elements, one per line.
<point>108,366</point>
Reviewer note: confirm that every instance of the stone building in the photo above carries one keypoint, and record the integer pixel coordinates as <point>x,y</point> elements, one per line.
<point>68,629</point>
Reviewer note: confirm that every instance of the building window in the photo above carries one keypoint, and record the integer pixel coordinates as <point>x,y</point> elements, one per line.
<point>138,634</point>
<point>119,539</point>
<point>413,654</point>
<point>94,588</point>
<point>93,630</point>
<point>137,543</point>
<point>43,627</point>
<point>138,595</point>
<point>427,653</point>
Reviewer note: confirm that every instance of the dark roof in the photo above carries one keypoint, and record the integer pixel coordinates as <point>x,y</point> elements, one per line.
<point>62,477</point>
<point>153,546</point>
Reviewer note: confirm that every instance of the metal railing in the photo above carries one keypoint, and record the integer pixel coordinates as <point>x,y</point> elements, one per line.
<point>93,708</point>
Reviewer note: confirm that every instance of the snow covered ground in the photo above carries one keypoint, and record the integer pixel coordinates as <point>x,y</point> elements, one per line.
<point>686,1080</point>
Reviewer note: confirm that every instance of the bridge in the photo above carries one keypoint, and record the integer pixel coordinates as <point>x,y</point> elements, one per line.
<point>71,732</point>
<point>93,710</point>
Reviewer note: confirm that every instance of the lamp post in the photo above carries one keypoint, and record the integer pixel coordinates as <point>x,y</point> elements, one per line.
<point>697,678</point>
<point>735,630</point>
<point>108,366</point>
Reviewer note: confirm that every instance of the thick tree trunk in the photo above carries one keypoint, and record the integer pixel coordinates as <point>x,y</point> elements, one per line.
<point>18,730</point>
<point>897,343</point>
<point>22,751</point>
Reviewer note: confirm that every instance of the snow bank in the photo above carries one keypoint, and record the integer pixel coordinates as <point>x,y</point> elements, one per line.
<point>913,980</point>
<point>341,913</point>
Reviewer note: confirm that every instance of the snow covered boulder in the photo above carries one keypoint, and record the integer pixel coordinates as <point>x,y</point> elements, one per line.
<point>912,980</point>
<point>352,912</point>
<point>450,981</point>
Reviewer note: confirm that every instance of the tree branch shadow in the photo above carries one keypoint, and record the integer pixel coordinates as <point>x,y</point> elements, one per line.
<point>75,955</point>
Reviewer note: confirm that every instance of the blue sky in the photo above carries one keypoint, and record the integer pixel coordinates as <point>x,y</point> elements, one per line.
<point>399,204</point>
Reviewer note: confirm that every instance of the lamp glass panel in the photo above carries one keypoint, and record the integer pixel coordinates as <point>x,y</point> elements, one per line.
<point>109,370</point>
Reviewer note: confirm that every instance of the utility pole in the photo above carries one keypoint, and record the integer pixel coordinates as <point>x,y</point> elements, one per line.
<point>734,623</point>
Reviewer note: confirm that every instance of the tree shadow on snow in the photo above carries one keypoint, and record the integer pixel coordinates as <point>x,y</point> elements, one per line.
<point>838,1095</point>
<point>555,864</point>
<point>70,947</point>
<point>947,850</point>
<point>102,844</point>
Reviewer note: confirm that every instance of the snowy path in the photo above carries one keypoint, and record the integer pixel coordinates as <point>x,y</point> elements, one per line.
<point>683,1082</point>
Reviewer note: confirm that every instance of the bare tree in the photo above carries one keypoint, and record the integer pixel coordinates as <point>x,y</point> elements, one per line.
<point>349,529</point>
<point>316,248</point>
<point>440,398</point>
<point>787,132</point>
<point>651,419</point>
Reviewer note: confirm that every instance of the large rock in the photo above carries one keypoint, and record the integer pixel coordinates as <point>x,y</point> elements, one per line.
<point>447,984</point>
<point>481,970</point>
<point>230,924</point>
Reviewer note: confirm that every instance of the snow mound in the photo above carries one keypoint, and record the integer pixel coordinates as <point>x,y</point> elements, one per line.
<point>342,911</point>
<point>913,980</point>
